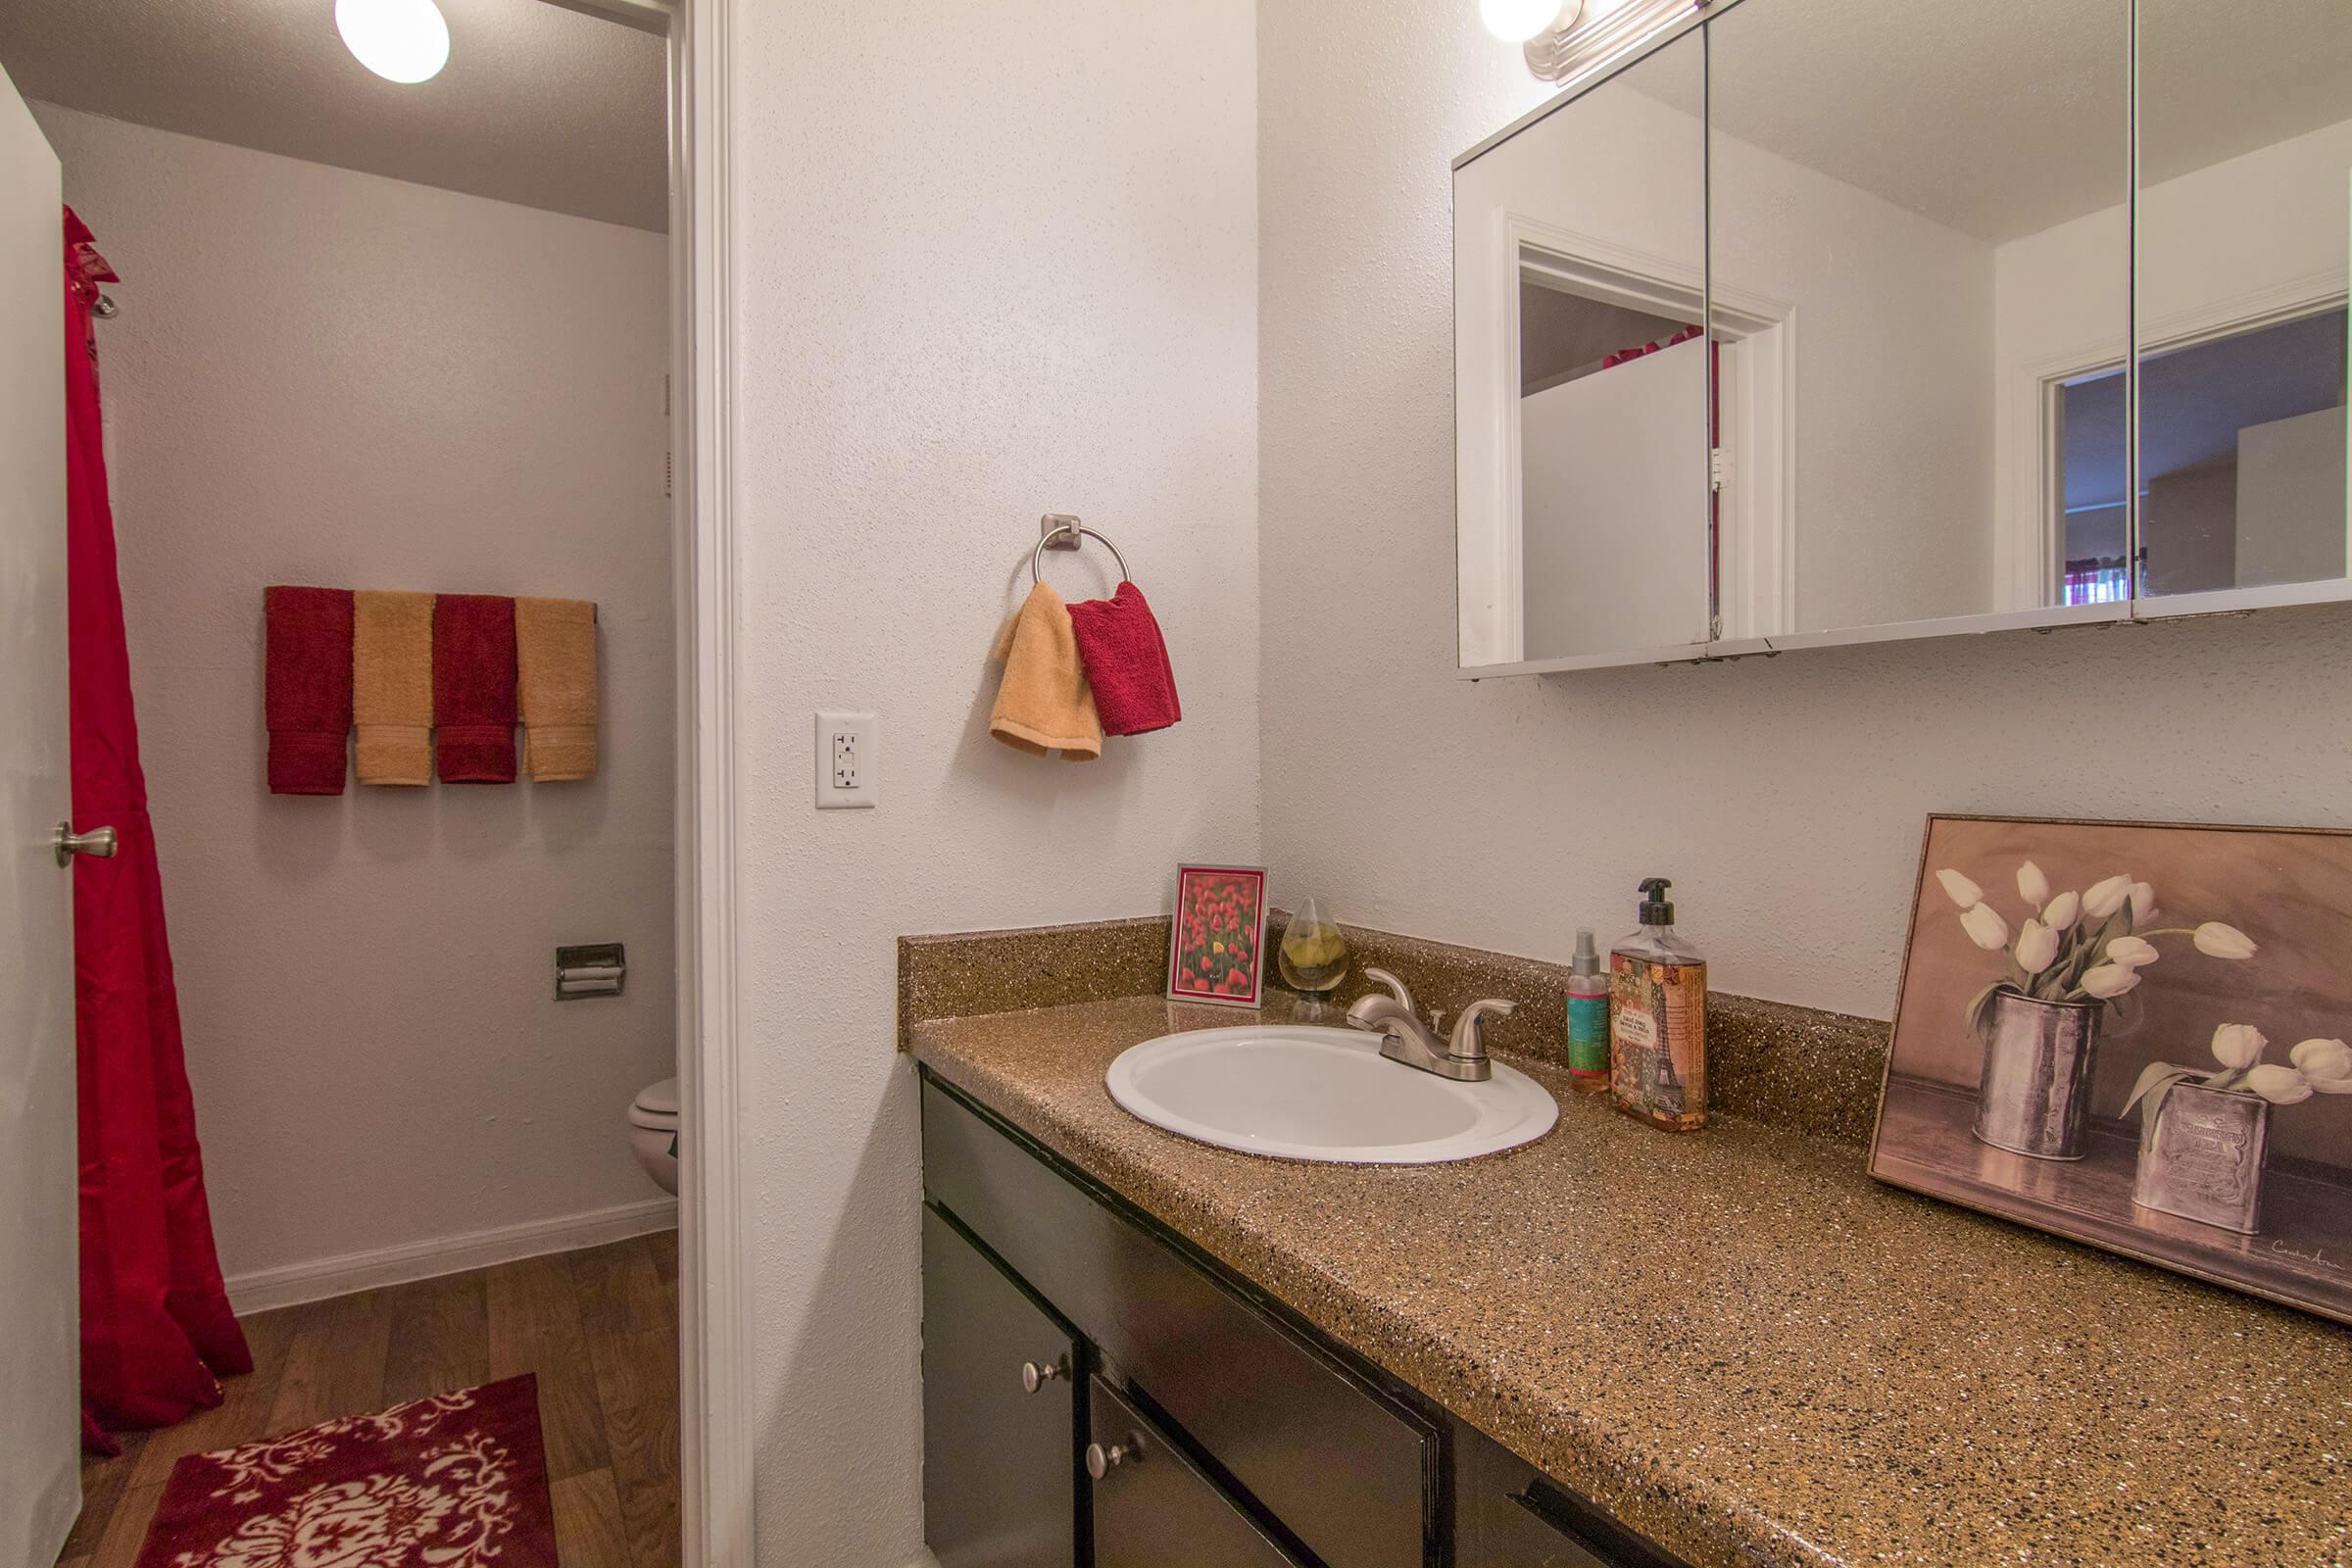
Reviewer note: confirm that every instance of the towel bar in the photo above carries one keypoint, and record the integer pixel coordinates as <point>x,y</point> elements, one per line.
<point>1055,527</point>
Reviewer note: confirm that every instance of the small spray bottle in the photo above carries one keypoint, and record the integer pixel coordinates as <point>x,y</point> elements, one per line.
<point>1588,1019</point>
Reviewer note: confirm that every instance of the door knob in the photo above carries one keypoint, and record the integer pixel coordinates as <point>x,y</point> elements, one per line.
<point>1101,1461</point>
<point>1035,1375</point>
<point>98,840</point>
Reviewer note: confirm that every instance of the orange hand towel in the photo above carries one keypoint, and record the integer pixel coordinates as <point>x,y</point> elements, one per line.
<point>392,686</point>
<point>1044,704</point>
<point>555,656</point>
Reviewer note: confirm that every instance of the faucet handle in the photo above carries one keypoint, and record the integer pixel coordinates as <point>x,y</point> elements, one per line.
<point>1396,988</point>
<point>1469,1038</point>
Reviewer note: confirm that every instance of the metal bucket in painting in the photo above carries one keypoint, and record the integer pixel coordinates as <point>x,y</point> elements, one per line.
<point>2034,1095</point>
<point>2201,1157</point>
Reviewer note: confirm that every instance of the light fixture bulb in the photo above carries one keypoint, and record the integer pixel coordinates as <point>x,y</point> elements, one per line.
<point>1517,21</point>
<point>400,40</point>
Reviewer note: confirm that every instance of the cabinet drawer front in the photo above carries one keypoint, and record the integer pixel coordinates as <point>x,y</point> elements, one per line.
<point>1000,1472</point>
<point>1345,1472</point>
<point>1508,1515</point>
<point>1154,1511</point>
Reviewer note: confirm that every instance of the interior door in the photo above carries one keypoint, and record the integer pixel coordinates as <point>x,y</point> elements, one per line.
<point>1597,454</point>
<point>40,1489</point>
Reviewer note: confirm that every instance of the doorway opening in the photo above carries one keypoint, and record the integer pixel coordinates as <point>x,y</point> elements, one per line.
<point>434,343</point>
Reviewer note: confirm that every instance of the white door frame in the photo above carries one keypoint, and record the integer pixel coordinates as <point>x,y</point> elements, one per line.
<point>1755,592</point>
<point>716,1411</point>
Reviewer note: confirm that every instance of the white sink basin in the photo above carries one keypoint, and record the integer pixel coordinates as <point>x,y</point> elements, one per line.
<point>1294,1092</point>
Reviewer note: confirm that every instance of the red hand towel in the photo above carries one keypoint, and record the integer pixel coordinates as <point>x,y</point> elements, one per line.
<point>306,696</point>
<point>473,689</point>
<point>1126,662</point>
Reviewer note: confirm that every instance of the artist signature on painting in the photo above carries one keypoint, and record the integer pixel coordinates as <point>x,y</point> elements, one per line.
<point>2318,1255</point>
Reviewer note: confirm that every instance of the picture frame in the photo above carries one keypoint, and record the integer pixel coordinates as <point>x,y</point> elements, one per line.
<point>2131,1035</point>
<point>1217,936</point>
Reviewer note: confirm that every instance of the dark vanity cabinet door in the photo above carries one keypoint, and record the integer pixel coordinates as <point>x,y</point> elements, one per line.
<point>1348,1473</point>
<point>1000,1414</point>
<point>1507,1514</point>
<point>1153,1509</point>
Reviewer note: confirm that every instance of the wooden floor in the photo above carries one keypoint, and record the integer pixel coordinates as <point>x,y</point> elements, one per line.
<point>600,1328</point>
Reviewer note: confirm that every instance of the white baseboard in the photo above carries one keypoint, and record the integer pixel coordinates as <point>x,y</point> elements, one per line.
<point>316,1281</point>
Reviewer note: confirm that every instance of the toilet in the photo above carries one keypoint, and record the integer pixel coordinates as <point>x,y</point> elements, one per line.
<point>654,1132</point>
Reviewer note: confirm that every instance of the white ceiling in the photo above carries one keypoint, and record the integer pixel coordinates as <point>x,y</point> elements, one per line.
<point>2001,118</point>
<point>539,105</point>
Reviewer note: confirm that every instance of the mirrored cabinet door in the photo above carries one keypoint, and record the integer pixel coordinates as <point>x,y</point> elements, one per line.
<point>2245,136</point>
<point>1919,266</point>
<point>1582,375</point>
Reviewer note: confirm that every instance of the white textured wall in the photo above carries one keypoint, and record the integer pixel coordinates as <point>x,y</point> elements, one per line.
<point>1893,402</point>
<point>983,274</point>
<point>1785,796</point>
<point>322,376</point>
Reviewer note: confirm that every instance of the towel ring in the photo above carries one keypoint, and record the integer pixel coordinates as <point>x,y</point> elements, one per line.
<point>1037,557</point>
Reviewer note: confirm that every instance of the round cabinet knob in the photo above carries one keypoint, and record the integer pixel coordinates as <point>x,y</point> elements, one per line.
<point>1035,1375</point>
<point>1101,1461</point>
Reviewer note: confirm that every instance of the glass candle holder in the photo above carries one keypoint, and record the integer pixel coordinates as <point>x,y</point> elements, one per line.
<point>1313,957</point>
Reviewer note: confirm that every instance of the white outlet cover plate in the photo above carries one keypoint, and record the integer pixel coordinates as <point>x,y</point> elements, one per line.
<point>859,728</point>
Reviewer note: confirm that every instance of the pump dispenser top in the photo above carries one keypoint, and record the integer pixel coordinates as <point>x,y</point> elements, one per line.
<point>1655,910</point>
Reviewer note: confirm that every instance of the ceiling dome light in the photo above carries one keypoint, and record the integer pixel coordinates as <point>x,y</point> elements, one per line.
<point>1517,21</point>
<point>400,40</point>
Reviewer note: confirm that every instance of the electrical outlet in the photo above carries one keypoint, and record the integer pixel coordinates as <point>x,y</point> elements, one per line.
<point>844,761</point>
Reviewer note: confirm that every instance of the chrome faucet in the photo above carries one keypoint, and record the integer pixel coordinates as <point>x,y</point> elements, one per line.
<point>1406,1039</point>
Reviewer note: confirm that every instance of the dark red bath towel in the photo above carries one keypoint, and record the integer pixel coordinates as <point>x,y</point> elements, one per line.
<point>1126,662</point>
<point>473,689</point>
<point>305,697</point>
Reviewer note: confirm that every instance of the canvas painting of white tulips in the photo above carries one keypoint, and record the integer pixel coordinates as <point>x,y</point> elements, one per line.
<point>2134,1035</point>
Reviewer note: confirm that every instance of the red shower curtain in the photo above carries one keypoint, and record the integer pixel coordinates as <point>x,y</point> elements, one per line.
<point>154,1320</point>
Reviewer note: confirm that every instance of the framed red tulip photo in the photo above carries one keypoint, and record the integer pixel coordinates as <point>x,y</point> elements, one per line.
<point>1217,951</point>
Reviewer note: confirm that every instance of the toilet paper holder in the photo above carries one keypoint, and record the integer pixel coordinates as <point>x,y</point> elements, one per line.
<point>597,969</point>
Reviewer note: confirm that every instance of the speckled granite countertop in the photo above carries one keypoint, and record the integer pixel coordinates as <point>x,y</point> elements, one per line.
<point>1736,1340</point>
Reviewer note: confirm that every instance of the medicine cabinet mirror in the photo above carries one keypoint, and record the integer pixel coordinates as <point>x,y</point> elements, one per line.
<point>1812,321</point>
<point>2246,164</point>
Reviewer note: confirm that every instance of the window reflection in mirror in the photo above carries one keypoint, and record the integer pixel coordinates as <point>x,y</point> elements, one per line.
<point>2244,233</point>
<point>1919,258</point>
<point>2094,490</point>
<point>1581,395</point>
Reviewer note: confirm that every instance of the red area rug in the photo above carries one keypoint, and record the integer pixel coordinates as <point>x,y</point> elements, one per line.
<point>456,1481</point>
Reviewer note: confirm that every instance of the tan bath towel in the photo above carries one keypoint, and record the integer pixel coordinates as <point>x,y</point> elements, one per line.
<point>392,686</point>
<point>1044,704</point>
<point>555,656</point>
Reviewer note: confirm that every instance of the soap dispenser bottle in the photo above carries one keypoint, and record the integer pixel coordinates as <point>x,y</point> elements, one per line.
<point>1658,1020</point>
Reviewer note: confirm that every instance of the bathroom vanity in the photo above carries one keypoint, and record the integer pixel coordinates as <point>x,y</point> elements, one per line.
<point>1097,1391</point>
<point>1613,1345</point>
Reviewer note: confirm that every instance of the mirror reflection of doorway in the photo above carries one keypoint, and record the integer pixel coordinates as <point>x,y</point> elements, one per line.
<point>1610,400</point>
<point>1622,410</point>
